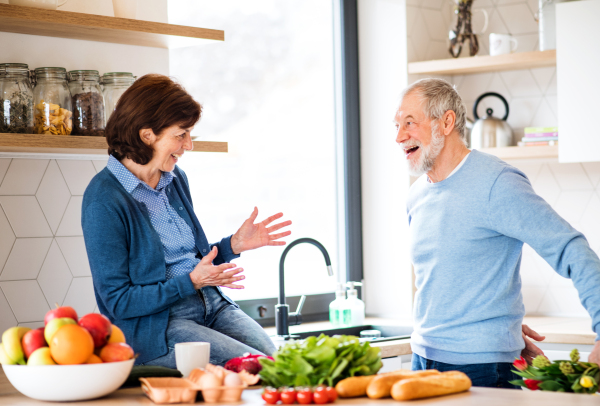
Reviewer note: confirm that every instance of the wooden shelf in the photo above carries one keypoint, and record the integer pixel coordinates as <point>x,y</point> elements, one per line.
<point>37,143</point>
<point>91,27</point>
<point>480,64</point>
<point>523,152</point>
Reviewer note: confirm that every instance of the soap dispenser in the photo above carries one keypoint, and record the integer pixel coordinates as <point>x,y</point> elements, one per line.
<point>339,314</point>
<point>355,305</point>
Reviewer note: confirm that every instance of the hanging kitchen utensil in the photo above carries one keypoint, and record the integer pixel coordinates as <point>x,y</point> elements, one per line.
<point>464,30</point>
<point>490,132</point>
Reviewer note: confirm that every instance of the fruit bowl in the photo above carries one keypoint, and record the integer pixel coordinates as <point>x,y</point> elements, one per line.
<point>68,382</point>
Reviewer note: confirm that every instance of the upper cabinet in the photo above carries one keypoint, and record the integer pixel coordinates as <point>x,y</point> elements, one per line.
<point>578,73</point>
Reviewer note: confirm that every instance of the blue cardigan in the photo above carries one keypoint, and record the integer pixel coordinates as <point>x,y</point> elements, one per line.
<point>128,264</point>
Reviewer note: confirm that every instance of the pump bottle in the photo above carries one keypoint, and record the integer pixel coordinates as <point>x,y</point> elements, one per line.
<point>355,305</point>
<point>339,314</point>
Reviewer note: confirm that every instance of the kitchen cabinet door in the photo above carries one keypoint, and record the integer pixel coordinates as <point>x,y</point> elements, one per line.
<point>578,76</point>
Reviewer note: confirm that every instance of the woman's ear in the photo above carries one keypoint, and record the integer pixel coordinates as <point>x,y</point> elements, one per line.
<point>147,136</point>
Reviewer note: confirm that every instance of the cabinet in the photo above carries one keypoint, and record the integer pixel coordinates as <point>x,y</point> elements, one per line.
<point>578,55</point>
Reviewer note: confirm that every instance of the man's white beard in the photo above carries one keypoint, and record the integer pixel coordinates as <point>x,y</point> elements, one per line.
<point>428,154</point>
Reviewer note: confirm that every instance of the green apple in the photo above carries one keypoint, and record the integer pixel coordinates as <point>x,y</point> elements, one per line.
<point>41,356</point>
<point>53,326</point>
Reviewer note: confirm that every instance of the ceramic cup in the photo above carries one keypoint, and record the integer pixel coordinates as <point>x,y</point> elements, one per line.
<point>501,44</point>
<point>125,8</point>
<point>193,355</point>
<point>47,4</point>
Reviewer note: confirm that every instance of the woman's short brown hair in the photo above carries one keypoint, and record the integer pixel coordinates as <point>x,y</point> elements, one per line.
<point>153,101</point>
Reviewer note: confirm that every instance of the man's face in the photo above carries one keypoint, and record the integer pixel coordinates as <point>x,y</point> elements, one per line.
<point>418,135</point>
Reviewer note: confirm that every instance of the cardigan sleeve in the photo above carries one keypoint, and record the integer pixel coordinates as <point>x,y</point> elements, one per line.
<point>108,248</point>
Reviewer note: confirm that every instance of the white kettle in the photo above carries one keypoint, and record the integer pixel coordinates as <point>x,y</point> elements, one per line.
<point>490,132</point>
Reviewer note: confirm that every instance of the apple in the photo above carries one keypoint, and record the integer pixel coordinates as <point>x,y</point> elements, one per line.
<point>64,311</point>
<point>54,324</point>
<point>41,356</point>
<point>115,352</point>
<point>99,327</point>
<point>32,340</point>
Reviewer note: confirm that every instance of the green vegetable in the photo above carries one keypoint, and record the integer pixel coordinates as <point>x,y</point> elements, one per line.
<point>318,360</point>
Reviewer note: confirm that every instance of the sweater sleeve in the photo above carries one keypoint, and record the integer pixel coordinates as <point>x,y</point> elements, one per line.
<point>516,211</point>
<point>107,247</point>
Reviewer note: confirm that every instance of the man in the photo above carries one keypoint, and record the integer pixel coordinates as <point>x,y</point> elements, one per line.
<point>469,217</point>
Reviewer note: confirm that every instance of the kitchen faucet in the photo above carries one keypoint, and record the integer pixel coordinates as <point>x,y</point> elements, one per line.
<point>283,318</point>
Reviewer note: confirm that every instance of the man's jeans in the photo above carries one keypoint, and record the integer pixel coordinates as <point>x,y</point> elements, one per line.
<point>493,375</point>
<point>208,317</point>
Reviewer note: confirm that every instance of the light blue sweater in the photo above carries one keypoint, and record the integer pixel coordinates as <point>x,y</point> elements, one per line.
<point>467,233</point>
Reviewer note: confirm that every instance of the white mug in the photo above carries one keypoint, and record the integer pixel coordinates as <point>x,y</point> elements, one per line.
<point>189,356</point>
<point>47,4</point>
<point>501,44</point>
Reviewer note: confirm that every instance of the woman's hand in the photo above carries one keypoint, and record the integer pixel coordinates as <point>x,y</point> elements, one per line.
<point>251,236</point>
<point>531,350</point>
<point>206,274</point>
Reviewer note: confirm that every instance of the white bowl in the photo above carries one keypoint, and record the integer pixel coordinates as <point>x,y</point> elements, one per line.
<point>68,382</point>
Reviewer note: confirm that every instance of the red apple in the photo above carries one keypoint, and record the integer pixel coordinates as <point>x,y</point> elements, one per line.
<point>115,352</point>
<point>99,327</point>
<point>59,312</point>
<point>32,340</point>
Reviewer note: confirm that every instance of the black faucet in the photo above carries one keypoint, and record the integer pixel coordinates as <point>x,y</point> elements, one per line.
<point>283,318</point>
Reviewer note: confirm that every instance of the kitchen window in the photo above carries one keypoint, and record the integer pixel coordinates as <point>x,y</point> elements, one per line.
<point>273,91</point>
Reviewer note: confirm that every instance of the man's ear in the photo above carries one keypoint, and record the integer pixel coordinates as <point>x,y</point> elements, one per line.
<point>147,136</point>
<point>448,122</point>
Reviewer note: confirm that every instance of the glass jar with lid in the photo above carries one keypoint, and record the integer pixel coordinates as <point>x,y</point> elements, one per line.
<point>87,102</point>
<point>114,85</point>
<point>16,99</point>
<point>52,98</point>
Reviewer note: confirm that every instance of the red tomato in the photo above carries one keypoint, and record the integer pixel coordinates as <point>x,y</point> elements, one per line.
<point>271,396</point>
<point>332,393</point>
<point>288,396</point>
<point>304,397</point>
<point>321,397</point>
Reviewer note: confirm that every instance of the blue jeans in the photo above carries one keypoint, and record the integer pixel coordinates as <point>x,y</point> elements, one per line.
<point>208,317</point>
<point>493,375</point>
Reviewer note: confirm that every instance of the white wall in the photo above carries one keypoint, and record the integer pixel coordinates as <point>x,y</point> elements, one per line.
<point>385,181</point>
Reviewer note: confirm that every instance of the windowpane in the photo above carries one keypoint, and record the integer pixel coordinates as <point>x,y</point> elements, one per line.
<point>268,91</point>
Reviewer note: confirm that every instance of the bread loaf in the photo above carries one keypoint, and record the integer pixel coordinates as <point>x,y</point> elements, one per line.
<point>353,387</point>
<point>381,386</point>
<point>429,386</point>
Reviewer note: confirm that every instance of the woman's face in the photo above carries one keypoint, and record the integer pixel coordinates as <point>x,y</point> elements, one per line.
<point>169,146</point>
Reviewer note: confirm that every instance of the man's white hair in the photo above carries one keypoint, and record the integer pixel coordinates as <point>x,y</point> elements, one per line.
<point>437,97</point>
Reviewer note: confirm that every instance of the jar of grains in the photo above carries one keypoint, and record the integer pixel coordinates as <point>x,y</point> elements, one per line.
<point>53,112</point>
<point>16,99</point>
<point>114,85</point>
<point>87,102</point>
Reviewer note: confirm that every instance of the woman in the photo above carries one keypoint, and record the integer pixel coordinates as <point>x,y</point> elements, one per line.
<point>155,274</point>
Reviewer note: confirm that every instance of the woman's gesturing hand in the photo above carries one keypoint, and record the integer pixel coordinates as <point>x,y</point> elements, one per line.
<point>251,236</point>
<point>207,274</point>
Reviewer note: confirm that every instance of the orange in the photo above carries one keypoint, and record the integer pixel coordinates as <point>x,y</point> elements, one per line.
<point>71,344</point>
<point>116,336</point>
<point>94,359</point>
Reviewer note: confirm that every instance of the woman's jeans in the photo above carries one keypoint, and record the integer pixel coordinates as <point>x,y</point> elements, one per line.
<point>208,317</point>
<point>493,375</point>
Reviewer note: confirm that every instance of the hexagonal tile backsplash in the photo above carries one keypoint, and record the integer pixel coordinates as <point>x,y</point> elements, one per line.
<point>42,254</point>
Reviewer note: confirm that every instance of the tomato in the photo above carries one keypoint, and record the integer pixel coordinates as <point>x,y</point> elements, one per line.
<point>288,396</point>
<point>271,396</point>
<point>332,393</point>
<point>321,397</point>
<point>304,397</point>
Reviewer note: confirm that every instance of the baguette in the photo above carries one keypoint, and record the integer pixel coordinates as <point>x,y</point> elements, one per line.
<point>353,387</point>
<point>381,386</point>
<point>429,386</point>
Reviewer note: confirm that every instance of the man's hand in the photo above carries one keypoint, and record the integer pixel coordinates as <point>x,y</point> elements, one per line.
<point>251,236</point>
<point>206,274</point>
<point>531,350</point>
<point>595,354</point>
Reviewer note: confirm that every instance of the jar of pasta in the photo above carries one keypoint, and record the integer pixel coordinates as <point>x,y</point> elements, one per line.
<point>87,102</point>
<point>52,112</point>
<point>16,99</point>
<point>114,85</point>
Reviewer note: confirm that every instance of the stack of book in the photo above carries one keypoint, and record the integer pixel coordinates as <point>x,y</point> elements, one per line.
<point>536,136</point>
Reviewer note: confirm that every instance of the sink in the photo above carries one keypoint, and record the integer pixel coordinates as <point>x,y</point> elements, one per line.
<point>388,333</point>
